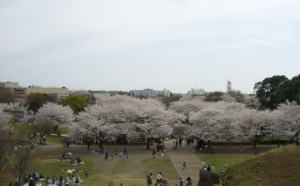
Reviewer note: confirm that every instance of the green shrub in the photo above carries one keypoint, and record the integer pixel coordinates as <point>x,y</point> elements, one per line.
<point>270,140</point>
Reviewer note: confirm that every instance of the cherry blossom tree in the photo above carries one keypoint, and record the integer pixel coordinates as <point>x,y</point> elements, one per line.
<point>5,117</point>
<point>217,122</point>
<point>188,104</point>
<point>223,121</point>
<point>117,115</point>
<point>54,115</point>
<point>287,120</point>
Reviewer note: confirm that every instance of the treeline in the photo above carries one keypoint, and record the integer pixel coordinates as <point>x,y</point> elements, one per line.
<point>77,101</point>
<point>273,91</point>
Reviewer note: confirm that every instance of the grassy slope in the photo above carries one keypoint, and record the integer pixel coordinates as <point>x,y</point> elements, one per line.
<point>280,166</point>
<point>221,161</point>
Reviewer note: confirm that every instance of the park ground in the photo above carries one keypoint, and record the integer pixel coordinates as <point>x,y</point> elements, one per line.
<point>140,163</point>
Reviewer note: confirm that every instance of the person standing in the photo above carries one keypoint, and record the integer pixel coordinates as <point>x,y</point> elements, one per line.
<point>86,174</point>
<point>149,179</point>
<point>159,178</point>
<point>44,140</point>
<point>106,156</point>
<point>203,164</point>
<point>154,154</point>
<point>184,167</point>
<point>180,141</point>
<point>125,152</point>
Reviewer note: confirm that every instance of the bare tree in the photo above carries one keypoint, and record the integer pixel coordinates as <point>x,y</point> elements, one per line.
<point>22,154</point>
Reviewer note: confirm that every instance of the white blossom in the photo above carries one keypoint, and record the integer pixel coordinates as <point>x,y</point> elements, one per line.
<point>55,114</point>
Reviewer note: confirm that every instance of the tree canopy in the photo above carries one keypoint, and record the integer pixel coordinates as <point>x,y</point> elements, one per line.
<point>36,100</point>
<point>275,90</point>
<point>77,103</point>
<point>266,91</point>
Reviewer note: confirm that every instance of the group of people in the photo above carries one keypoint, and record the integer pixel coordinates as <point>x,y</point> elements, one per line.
<point>160,179</point>
<point>36,179</point>
<point>177,143</point>
<point>116,153</point>
<point>39,138</point>
<point>66,143</point>
<point>203,146</point>
<point>68,156</point>
<point>187,182</point>
<point>207,167</point>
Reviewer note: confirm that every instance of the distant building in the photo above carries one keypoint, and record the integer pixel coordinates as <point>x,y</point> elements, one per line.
<point>167,93</point>
<point>150,93</point>
<point>9,84</point>
<point>54,93</point>
<point>20,93</point>
<point>196,92</point>
<point>229,86</point>
<point>112,93</point>
<point>12,88</point>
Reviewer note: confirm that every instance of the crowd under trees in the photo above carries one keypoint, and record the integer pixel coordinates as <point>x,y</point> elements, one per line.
<point>216,116</point>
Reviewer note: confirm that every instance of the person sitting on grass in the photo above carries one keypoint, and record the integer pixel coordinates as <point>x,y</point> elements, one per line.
<point>208,168</point>
<point>188,181</point>
<point>180,182</point>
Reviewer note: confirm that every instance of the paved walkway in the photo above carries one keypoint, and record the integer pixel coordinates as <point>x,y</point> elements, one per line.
<point>192,161</point>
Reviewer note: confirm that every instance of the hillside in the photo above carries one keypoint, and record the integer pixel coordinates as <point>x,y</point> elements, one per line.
<point>280,166</point>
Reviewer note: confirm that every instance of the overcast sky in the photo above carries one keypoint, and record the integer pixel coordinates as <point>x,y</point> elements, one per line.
<point>137,44</point>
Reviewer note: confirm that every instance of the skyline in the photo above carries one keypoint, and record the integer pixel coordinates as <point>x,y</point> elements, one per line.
<point>137,44</point>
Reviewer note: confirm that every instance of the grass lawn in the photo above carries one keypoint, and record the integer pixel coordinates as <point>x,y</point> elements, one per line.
<point>161,165</point>
<point>127,171</point>
<point>220,161</point>
<point>55,139</point>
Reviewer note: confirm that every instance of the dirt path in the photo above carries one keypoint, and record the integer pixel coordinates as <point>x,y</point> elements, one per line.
<point>192,161</point>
